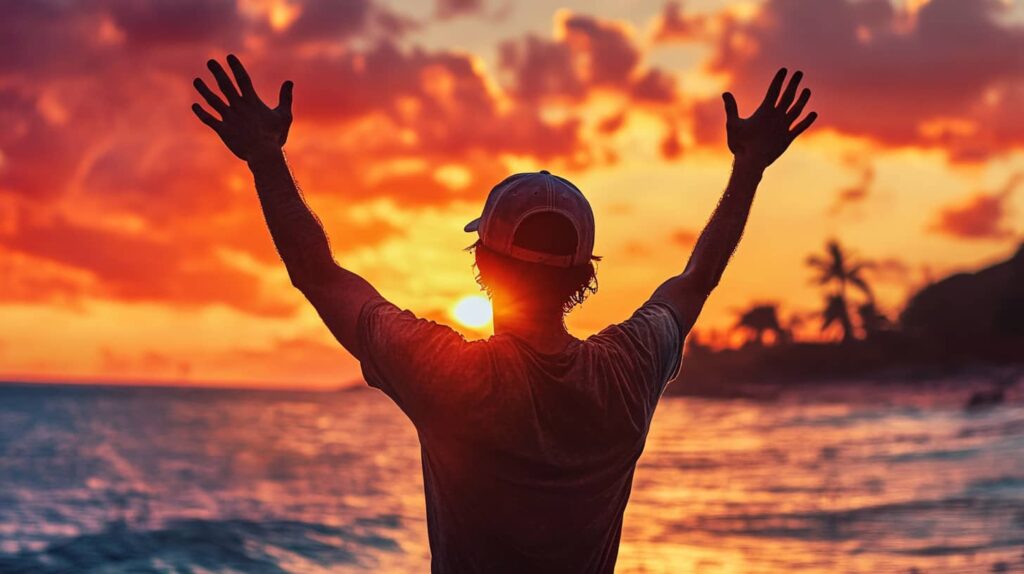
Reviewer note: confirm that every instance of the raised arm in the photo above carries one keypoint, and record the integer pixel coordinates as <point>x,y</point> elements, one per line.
<point>256,133</point>
<point>755,142</point>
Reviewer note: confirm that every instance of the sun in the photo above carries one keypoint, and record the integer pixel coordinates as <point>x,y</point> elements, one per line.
<point>473,311</point>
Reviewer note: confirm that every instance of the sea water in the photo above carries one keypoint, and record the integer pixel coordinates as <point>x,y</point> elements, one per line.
<point>869,479</point>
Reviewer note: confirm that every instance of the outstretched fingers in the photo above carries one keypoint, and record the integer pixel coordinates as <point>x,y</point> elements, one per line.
<point>731,111</point>
<point>803,125</point>
<point>241,77</point>
<point>210,97</point>
<point>790,93</point>
<point>773,90</point>
<point>798,107</point>
<point>206,117</point>
<point>223,81</point>
<point>285,101</point>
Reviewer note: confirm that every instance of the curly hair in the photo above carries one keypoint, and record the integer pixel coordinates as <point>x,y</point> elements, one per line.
<point>563,288</point>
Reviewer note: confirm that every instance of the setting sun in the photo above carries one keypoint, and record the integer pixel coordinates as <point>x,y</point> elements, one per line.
<point>473,311</point>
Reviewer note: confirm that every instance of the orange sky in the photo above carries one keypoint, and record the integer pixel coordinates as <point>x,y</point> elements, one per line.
<point>132,246</point>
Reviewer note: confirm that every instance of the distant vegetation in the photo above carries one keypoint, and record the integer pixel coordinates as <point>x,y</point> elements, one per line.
<point>961,321</point>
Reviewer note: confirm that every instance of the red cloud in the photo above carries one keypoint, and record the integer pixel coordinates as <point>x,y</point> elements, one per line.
<point>982,216</point>
<point>152,23</point>
<point>671,148</point>
<point>135,267</point>
<point>588,53</point>
<point>88,125</point>
<point>451,8</point>
<point>674,25</point>
<point>855,194</point>
<point>945,77</point>
<point>684,237</point>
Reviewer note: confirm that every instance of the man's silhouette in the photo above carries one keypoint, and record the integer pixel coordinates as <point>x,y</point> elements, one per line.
<point>529,438</point>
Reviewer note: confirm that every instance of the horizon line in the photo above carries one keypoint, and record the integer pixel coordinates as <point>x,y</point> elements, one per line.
<point>44,380</point>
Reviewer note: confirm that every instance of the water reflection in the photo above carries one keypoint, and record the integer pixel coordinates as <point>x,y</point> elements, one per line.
<point>120,479</point>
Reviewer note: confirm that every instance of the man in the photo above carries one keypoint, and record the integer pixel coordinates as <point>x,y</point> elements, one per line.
<point>529,438</point>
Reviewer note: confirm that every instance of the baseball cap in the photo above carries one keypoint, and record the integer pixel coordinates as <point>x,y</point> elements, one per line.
<point>524,194</point>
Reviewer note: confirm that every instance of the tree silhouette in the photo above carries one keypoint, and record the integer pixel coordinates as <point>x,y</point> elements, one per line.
<point>836,312</point>
<point>760,319</point>
<point>871,319</point>
<point>836,271</point>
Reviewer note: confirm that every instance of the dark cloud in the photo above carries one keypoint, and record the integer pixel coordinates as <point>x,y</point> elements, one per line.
<point>50,35</point>
<point>655,86</point>
<point>675,25</point>
<point>443,99</point>
<point>331,21</point>
<point>610,54</point>
<point>981,216</point>
<point>670,147</point>
<point>150,23</point>
<point>587,54</point>
<point>38,155</point>
<point>855,194</point>
<point>684,237</point>
<point>135,267</point>
<point>94,118</point>
<point>451,8</point>
<point>327,19</point>
<point>612,123</point>
<point>936,78</point>
<point>540,68</point>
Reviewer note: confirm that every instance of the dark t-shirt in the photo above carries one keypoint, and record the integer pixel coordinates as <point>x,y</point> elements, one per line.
<point>528,458</point>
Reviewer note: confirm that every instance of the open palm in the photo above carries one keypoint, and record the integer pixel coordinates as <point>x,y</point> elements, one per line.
<point>765,135</point>
<point>246,125</point>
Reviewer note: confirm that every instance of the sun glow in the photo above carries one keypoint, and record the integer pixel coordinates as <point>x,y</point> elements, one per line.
<point>473,311</point>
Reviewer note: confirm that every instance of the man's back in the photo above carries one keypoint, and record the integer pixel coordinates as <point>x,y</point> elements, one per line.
<point>528,457</point>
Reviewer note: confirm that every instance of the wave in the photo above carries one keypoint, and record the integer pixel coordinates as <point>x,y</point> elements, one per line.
<point>260,547</point>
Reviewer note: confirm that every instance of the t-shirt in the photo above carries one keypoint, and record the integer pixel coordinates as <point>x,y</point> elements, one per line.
<point>528,457</point>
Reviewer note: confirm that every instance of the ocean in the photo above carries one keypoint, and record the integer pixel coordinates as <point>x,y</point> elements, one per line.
<point>857,478</point>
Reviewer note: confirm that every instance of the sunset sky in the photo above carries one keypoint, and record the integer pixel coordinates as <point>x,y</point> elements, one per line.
<point>132,246</point>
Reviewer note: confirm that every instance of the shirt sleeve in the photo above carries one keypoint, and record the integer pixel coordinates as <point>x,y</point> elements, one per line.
<point>426,368</point>
<point>649,345</point>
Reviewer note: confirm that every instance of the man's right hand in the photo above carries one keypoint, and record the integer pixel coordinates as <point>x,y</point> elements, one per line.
<point>247,126</point>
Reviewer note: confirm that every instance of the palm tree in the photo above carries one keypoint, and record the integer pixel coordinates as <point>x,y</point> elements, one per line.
<point>838,269</point>
<point>872,320</point>
<point>760,319</point>
<point>836,312</point>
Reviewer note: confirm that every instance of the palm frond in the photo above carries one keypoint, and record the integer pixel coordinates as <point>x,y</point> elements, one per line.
<point>861,284</point>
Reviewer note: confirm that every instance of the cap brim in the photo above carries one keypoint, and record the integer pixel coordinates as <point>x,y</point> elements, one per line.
<point>472,226</point>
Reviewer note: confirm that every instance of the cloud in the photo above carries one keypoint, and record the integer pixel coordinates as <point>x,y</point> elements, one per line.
<point>587,54</point>
<point>447,9</point>
<point>319,358</point>
<point>612,123</point>
<point>428,104</point>
<point>675,25</point>
<point>136,267</point>
<point>329,21</point>
<point>891,270</point>
<point>937,77</point>
<point>654,86</point>
<point>855,194</point>
<point>152,23</point>
<point>981,216</point>
<point>684,237</point>
<point>150,365</point>
<point>671,148</point>
<point>112,190</point>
